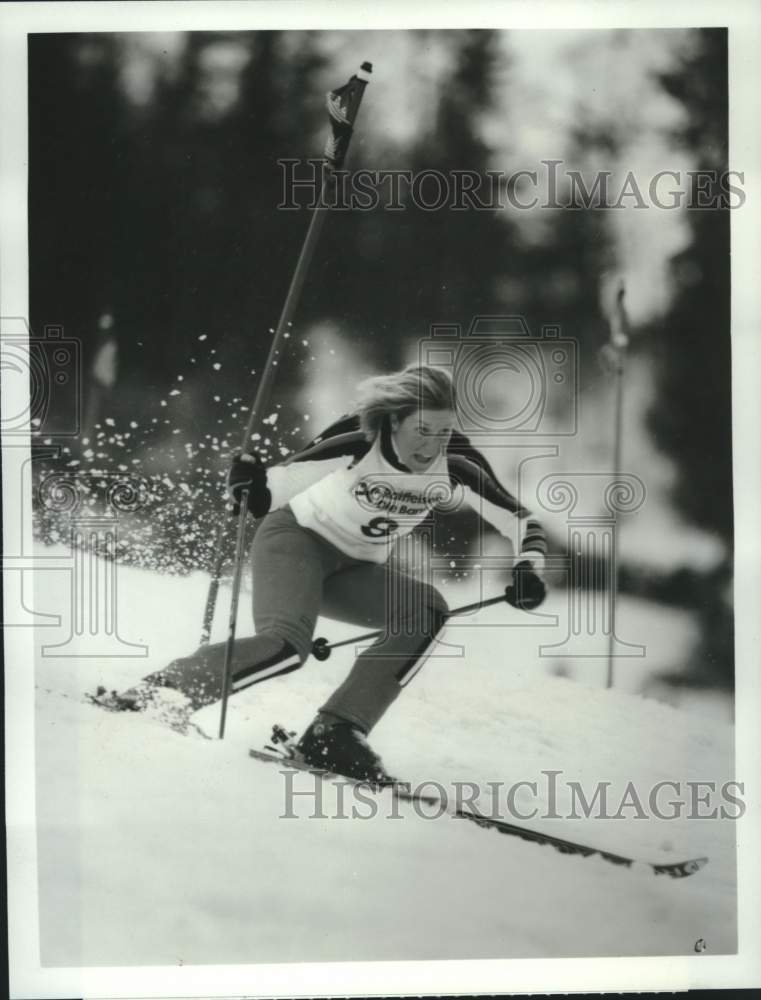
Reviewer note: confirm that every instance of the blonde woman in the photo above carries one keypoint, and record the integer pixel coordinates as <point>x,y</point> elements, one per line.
<point>330,517</point>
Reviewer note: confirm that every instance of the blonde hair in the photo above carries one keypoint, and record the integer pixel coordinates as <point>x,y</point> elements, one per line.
<point>402,393</point>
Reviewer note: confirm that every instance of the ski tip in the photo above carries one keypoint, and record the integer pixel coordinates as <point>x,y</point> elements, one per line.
<point>696,864</point>
<point>681,869</point>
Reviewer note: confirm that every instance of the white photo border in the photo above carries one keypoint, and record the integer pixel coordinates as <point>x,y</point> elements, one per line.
<point>743,19</point>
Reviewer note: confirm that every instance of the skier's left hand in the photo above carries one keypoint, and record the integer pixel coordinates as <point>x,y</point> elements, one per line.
<point>528,590</point>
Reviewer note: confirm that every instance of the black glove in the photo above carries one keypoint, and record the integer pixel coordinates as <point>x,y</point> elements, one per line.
<point>528,590</point>
<point>248,472</point>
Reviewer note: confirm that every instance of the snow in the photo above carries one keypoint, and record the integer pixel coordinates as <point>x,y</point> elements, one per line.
<point>158,849</point>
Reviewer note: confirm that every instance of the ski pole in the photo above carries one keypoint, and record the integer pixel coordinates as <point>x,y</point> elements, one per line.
<point>343,105</point>
<point>321,648</point>
<point>294,292</point>
<point>239,546</point>
<point>619,341</point>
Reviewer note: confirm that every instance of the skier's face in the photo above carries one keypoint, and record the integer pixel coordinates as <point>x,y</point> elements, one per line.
<point>421,437</point>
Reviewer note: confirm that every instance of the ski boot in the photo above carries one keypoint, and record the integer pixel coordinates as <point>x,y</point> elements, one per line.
<point>341,747</point>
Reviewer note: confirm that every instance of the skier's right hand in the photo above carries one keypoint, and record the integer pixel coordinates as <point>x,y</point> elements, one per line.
<point>247,472</point>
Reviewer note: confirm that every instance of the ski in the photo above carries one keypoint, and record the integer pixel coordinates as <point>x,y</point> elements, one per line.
<point>402,791</point>
<point>166,716</point>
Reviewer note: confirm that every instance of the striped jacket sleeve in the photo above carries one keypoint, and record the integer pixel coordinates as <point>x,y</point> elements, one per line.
<point>469,469</point>
<point>337,447</point>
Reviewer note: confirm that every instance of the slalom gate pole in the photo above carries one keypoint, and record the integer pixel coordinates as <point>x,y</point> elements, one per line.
<point>343,105</point>
<point>321,648</point>
<point>619,341</point>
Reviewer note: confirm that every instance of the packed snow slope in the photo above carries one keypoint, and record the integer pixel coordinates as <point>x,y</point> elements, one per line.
<point>156,848</point>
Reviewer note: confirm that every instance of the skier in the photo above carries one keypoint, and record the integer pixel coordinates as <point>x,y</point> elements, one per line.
<point>331,516</point>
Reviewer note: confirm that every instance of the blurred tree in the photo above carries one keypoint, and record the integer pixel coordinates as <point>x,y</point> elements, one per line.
<point>76,177</point>
<point>691,419</point>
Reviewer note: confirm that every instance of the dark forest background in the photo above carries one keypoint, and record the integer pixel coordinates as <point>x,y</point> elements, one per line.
<point>162,212</point>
